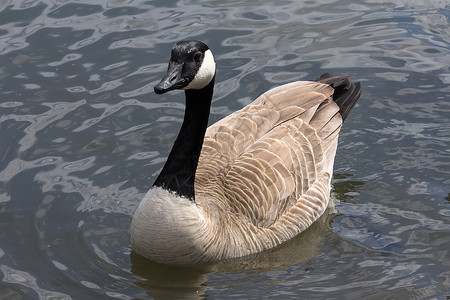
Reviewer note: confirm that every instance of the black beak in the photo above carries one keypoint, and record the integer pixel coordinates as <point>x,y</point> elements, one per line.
<point>172,80</point>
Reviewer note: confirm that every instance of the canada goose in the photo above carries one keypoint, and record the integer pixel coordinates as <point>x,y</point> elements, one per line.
<point>249,182</point>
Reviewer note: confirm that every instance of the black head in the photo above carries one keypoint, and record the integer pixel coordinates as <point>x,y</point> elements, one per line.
<point>191,66</point>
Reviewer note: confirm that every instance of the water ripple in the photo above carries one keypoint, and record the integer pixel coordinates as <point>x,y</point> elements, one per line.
<point>25,279</point>
<point>83,138</point>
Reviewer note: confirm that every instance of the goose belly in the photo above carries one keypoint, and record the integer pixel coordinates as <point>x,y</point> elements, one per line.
<point>174,230</point>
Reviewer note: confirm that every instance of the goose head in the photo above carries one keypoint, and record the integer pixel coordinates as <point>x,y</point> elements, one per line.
<point>191,66</point>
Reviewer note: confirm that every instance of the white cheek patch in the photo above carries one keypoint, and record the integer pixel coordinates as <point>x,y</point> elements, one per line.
<point>205,74</point>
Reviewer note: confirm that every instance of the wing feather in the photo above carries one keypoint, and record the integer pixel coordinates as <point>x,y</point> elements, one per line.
<point>267,160</point>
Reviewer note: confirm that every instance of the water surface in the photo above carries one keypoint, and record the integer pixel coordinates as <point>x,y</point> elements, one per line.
<point>83,137</point>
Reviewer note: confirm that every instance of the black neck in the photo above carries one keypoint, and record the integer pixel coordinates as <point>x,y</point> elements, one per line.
<point>178,174</point>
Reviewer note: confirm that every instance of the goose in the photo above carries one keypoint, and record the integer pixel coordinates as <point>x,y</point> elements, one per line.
<point>249,182</point>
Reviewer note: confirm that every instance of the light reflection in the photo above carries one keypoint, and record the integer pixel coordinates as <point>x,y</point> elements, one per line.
<point>23,278</point>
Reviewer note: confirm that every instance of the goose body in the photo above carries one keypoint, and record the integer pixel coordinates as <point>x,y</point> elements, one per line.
<point>249,182</point>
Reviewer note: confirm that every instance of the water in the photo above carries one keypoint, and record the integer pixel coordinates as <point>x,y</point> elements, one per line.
<point>83,137</point>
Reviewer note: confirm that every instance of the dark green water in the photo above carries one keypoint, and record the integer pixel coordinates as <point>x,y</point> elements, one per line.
<point>83,136</point>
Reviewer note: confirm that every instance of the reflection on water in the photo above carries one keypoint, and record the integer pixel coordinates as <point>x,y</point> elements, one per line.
<point>83,137</point>
<point>343,188</point>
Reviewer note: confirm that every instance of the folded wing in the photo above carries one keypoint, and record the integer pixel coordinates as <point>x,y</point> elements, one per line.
<point>271,162</point>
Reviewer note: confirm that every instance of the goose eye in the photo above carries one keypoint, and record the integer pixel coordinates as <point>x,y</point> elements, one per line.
<point>198,56</point>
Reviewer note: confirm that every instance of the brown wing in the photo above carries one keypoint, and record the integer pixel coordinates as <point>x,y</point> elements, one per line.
<point>271,162</point>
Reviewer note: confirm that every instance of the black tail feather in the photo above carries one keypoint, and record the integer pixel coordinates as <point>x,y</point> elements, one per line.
<point>346,92</point>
